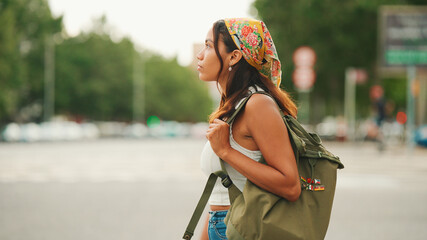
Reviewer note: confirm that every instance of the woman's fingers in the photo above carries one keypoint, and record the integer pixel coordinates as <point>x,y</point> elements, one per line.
<point>215,128</point>
<point>220,122</point>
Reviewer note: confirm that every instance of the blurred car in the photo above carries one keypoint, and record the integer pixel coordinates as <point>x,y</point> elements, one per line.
<point>170,129</point>
<point>421,136</point>
<point>135,130</point>
<point>30,132</point>
<point>49,131</point>
<point>332,128</point>
<point>11,133</point>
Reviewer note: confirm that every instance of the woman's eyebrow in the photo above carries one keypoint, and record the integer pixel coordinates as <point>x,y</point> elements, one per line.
<point>208,40</point>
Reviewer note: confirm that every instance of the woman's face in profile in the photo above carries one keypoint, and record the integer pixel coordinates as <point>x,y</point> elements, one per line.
<point>209,65</point>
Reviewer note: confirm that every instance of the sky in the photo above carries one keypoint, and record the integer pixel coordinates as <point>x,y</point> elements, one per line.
<point>169,27</point>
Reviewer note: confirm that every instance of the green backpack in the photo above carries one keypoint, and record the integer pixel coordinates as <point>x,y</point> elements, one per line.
<point>256,214</point>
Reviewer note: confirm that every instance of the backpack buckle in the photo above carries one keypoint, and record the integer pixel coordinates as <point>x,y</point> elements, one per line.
<point>226,181</point>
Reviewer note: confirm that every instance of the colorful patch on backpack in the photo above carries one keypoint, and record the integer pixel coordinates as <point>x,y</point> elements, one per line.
<point>312,184</point>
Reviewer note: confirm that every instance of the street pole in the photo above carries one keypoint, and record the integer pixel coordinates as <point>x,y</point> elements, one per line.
<point>138,88</point>
<point>410,108</point>
<point>350,104</point>
<point>49,79</point>
<point>304,106</point>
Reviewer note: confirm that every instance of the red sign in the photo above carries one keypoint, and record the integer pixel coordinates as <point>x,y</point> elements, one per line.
<point>358,76</point>
<point>304,78</point>
<point>304,75</point>
<point>304,57</point>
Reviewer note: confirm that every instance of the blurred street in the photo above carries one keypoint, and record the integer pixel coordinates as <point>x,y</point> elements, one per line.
<point>104,109</point>
<point>147,189</point>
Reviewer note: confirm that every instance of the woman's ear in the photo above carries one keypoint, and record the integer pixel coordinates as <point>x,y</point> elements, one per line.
<point>235,57</point>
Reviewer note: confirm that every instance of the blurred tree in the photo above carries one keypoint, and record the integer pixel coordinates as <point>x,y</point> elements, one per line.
<point>93,72</point>
<point>342,33</point>
<point>25,24</point>
<point>174,92</point>
<point>94,77</point>
<point>393,92</point>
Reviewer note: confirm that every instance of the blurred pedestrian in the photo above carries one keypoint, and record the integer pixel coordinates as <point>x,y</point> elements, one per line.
<point>379,107</point>
<point>240,55</point>
<point>379,104</point>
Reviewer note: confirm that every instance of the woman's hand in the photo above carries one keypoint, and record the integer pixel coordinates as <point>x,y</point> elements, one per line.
<point>218,135</point>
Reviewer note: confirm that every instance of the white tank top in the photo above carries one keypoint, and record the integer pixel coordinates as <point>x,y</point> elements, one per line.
<point>210,163</point>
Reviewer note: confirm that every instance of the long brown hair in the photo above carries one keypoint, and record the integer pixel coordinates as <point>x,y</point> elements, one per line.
<point>243,76</point>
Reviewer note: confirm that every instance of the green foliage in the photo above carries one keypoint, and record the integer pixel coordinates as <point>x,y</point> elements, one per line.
<point>94,78</point>
<point>94,75</point>
<point>95,81</point>
<point>395,91</point>
<point>342,33</point>
<point>174,92</point>
<point>24,26</point>
<point>9,64</point>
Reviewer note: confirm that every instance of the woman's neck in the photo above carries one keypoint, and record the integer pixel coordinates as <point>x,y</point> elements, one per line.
<point>222,81</point>
<point>222,84</point>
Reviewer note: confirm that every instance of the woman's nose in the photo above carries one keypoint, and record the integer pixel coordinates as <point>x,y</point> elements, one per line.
<point>200,55</point>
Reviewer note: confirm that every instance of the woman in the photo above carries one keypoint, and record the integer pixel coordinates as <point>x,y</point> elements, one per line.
<point>240,56</point>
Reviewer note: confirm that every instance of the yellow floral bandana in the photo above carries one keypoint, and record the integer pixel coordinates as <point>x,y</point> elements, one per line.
<point>254,40</point>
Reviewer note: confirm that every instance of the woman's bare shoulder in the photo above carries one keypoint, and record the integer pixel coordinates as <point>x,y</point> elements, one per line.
<point>261,103</point>
<point>261,108</point>
<point>264,121</point>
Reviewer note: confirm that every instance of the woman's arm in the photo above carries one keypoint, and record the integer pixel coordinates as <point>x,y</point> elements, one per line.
<point>262,118</point>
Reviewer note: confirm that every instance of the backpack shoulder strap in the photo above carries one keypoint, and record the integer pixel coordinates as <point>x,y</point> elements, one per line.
<point>239,107</point>
<point>195,218</point>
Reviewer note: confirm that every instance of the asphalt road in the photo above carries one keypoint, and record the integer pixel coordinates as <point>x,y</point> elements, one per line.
<point>147,189</point>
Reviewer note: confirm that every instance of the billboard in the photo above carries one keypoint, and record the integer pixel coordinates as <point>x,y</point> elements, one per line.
<point>403,36</point>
